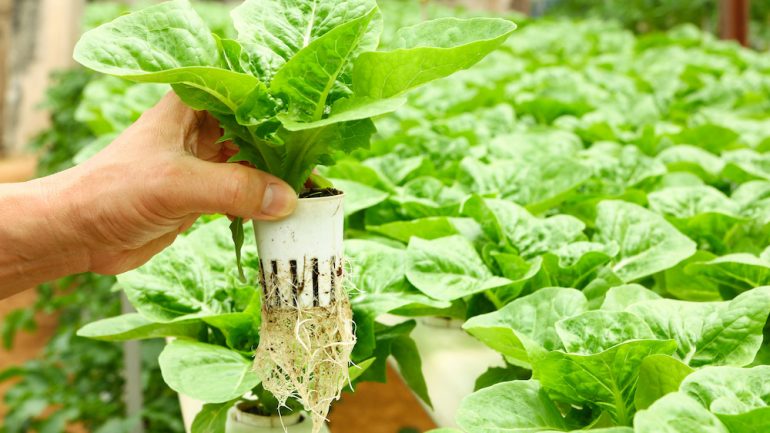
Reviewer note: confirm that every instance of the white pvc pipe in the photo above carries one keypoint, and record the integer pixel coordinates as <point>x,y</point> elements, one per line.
<point>190,408</point>
<point>301,256</point>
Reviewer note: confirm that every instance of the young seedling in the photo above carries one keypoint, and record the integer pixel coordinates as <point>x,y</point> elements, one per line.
<point>300,83</point>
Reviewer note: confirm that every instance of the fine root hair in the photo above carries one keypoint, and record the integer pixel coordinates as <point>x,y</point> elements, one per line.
<point>304,353</point>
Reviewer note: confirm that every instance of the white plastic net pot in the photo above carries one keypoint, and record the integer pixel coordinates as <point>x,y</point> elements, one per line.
<point>307,325</point>
<point>301,256</point>
<point>242,421</point>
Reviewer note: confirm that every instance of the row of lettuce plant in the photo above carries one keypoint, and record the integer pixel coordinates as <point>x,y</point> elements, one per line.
<point>594,205</point>
<point>549,198</point>
<point>644,16</point>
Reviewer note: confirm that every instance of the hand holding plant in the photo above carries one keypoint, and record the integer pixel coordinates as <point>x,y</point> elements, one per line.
<point>120,208</point>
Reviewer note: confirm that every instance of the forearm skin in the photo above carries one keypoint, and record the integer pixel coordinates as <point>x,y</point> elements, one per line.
<point>35,245</point>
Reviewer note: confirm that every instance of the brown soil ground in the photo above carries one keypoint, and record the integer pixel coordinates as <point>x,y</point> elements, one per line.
<point>380,408</point>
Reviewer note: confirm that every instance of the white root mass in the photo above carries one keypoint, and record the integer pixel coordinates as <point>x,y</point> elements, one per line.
<point>304,352</point>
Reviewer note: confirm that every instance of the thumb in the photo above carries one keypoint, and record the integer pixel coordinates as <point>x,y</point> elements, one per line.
<point>233,189</point>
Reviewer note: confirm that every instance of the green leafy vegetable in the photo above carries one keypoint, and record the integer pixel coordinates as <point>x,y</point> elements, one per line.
<point>648,243</point>
<point>517,406</point>
<point>300,79</point>
<point>448,268</point>
<point>206,372</point>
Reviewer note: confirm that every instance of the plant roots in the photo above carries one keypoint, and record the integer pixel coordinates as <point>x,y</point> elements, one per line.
<point>304,353</point>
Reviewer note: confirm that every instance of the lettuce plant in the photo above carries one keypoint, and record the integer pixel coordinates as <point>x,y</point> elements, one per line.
<point>617,365</point>
<point>302,78</point>
<point>214,319</point>
<point>299,84</point>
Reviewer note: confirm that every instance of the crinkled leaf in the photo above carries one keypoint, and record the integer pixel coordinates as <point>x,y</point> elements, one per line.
<point>538,185</point>
<point>745,165</point>
<point>196,276</point>
<point>377,276</point>
<point>158,38</point>
<point>647,242</point>
<point>308,77</point>
<point>605,380</point>
<point>713,333</point>
<point>701,212</point>
<point>510,224</point>
<point>592,332</point>
<point>754,199</point>
<point>692,159</point>
<point>575,264</point>
<point>526,326</point>
<point>448,268</point>
<point>282,28</point>
<point>738,396</point>
<point>658,376</point>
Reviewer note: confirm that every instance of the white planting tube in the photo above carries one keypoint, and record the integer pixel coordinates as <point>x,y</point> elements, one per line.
<point>301,256</point>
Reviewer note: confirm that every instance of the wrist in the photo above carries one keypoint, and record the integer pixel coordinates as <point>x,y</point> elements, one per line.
<point>37,237</point>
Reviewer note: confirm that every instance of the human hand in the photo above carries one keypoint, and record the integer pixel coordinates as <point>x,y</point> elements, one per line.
<point>131,200</point>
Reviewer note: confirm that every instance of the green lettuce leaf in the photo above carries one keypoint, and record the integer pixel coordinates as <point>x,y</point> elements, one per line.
<point>710,333</point>
<point>448,268</point>
<point>605,380</point>
<point>515,407</point>
<point>526,327</point>
<point>738,396</point>
<point>206,372</point>
<point>446,44</point>
<point>648,244</point>
<point>734,272</point>
<point>677,413</point>
<point>195,277</point>
<point>658,375</point>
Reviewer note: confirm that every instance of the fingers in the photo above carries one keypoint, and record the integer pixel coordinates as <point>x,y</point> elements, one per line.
<point>174,124</point>
<point>204,142</point>
<point>231,189</point>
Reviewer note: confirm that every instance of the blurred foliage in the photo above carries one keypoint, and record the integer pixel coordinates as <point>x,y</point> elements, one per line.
<point>77,380</point>
<point>655,15</point>
<point>58,145</point>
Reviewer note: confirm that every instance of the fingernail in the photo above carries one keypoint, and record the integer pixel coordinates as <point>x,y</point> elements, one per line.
<point>279,200</point>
